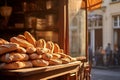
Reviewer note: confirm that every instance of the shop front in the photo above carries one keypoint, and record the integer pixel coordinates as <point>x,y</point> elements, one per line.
<point>44,40</point>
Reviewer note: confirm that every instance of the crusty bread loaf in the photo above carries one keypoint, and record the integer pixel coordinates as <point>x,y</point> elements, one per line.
<point>47,56</point>
<point>21,42</point>
<point>30,38</point>
<point>31,50</point>
<point>3,41</point>
<point>56,56</point>
<point>42,50</point>
<point>21,36</point>
<point>50,45</point>
<point>71,58</point>
<point>55,62</point>
<point>65,60</point>
<point>13,56</point>
<point>8,47</point>
<point>16,65</point>
<point>40,62</point>
<point>41,43</point>
<point>63,55</point>
<point>56,48</point>
<point>35,56</point>
<point>21,50</point>
<point>61,51</point>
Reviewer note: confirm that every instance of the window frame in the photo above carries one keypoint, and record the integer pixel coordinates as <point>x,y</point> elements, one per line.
<point>117,21</point>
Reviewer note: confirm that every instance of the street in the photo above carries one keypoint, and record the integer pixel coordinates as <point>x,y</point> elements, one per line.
<point>105,74</point>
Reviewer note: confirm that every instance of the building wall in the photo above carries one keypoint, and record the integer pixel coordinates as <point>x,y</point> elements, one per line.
<point>108,10</point>
<point>111,9</point>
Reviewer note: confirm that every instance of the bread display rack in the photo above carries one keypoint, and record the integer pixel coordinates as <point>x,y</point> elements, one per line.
<point>26,58</point>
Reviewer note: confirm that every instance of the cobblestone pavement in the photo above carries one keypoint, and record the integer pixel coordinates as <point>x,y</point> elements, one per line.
<point>105,74</point>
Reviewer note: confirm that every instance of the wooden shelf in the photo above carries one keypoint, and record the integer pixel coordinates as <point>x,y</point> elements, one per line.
<point>42,73</point>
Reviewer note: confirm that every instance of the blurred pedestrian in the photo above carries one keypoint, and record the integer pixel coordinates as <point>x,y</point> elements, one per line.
<point>115,55</point>
<point>118,55</point>
<point>97,55</point>
<point>108,51</point>
<point>100,56</point>
<point>90,55</point>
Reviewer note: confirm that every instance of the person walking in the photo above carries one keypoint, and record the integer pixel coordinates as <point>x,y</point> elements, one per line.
<point>90,55</point>
<point>108,51</point>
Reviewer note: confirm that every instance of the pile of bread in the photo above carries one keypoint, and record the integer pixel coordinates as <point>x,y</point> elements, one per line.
<point>24,51</point>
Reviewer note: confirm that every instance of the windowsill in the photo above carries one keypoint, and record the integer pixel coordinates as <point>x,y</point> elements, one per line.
<point>116,27</point>
<point>114,2</point>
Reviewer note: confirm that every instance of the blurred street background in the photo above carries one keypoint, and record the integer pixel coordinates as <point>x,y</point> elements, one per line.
<point>105,73</point>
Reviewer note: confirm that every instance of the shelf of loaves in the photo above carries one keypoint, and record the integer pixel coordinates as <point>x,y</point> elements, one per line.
<point>24,51</point>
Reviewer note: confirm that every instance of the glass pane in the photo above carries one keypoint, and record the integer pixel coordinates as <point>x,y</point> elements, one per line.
<point>115,21</point>
<point>77,37</point>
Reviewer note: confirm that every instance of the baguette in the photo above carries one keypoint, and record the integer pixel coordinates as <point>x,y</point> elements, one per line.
<point>21,42</point>
<point>56,56</point>
<point>31,50</point>
<point>47,56</point>
<point>63,55</point>
<point>61,51</point>
<point>50,45</point>
<point>41,43</point>
<point>30,38</point>
<point>16,65</point>
<point>56,48</point>
<point>71,58</point>
<point>42,50</point>
<point>21,50</point>
<point>65,60</point>
<point>8,48</point>
<point>55,62</point>
<point>10,57</point>
<point>3,41</point>
<point>35,56</point>
<point>21,37</point>
<point>40,62</point>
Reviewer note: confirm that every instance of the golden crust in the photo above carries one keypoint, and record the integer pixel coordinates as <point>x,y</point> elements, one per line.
<point>30,38</point>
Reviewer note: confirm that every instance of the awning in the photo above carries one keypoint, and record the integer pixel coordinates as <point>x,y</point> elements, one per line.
<point>91,4</point>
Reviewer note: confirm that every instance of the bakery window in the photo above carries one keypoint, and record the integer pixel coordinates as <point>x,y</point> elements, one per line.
<point>77,29</point>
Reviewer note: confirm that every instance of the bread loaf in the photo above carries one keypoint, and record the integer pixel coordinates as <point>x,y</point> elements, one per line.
<point>21,50</point>
<point>21,36</point>
<point>3,41</point>
<point>8,48</point>
<point>21,42</point>
<point>31,50</point>
<point>30,38</point>
<point>56,56</point>
<point>10,57</point>
<point>71,58</point>
<point>47,56</point>
<point>65,60</point>
<point>42,50</point>
<point>61,51</point>
<point>56,48</point>
<point>55,62</point>
<point>63,55</point>
<point>41,43</point>
<point>35,56</point>
<point>40,62</point>
<point>50,45</point>
<point>16,65</point>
